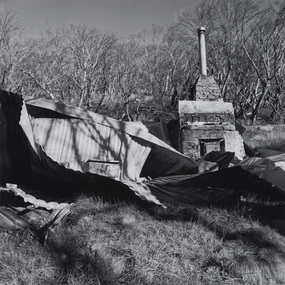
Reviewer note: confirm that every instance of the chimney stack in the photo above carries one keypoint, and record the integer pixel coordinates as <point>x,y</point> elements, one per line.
<point>202,51</point>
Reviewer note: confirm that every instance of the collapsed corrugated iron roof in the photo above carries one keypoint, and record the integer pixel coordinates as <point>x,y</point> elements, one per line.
<point>92,136</point>
<point>38,140</point>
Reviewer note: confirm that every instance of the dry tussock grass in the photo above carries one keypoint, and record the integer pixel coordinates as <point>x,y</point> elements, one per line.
<point>101,243</point>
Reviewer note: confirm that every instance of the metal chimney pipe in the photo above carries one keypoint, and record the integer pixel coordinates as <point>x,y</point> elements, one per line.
<point>202,50</point>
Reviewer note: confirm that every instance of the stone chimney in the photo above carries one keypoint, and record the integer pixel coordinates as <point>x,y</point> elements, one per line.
<point>207,123</point>
<point>206,87</point>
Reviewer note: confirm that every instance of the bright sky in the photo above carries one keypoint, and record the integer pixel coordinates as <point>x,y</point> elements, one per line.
<point>122,17</point>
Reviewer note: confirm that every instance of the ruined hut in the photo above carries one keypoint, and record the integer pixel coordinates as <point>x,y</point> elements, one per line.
<point>207,123</point>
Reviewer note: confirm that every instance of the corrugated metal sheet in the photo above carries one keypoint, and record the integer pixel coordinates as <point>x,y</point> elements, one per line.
<point>222,158</point>
<point>267,170</point>
<point>20,164</point>
<point>252,177</point>
<point>73,142</point>
<point>278,159</point>
<point>129,128</point>
<point>36,112</point>
<point>159,129</point>
<point>141,189</point>
<point>15,213</point>
<point>18,210</point>
<point>162,162</point>
<point>76,140</point>
<point>108,135</point>
<point>37,203</point>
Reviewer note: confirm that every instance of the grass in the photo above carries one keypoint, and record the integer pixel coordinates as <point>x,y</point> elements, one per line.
<point>24,261</point>
<point>102,243</point>
<point>265,137</point>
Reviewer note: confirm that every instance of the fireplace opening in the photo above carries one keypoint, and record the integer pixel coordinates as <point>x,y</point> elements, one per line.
<point>208,145</point>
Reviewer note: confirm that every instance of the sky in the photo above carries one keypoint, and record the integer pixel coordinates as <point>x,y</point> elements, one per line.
<point>123,17</point>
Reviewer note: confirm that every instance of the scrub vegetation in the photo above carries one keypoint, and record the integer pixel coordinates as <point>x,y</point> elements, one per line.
<point>143,76</point>
<point>123,243</point>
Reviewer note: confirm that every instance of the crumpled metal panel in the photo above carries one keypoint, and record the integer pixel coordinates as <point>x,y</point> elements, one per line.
<point>16,214</point>
<point>73,142</point>
<point>128,127</point>
<point>19,210</point>
<point>267,170</point>
<point>142,190</point>
<point>213,187</point>
<point>278,159</point>
<point>133,140</point>
<point>37,203</point>
<point>26,166</point>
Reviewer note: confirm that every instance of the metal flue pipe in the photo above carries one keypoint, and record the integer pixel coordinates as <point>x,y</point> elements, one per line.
<point>202,51</point>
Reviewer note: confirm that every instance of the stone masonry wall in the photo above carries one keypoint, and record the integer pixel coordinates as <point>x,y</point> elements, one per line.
<point>207,89</point>
<point>210,118</point>
<point>190,144</point>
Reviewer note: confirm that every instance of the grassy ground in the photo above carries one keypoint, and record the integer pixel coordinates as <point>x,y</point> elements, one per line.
<point>101,243</point>
<point>265,137</point>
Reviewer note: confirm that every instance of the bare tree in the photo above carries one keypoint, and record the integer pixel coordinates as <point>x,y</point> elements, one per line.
<point>69,64</point>
<point>11,49</point>
<point>88,52</point>
<point>42,69</point>
<point>127,78</point>
<point>245,52</point>
<point>265,51</point>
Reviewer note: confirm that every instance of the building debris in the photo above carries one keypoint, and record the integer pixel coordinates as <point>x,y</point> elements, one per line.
<point>47,150</point>
<point>51,152</point>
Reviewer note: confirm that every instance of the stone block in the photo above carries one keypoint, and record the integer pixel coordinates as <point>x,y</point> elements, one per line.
<point>204,107</point>
<point>104,168</point>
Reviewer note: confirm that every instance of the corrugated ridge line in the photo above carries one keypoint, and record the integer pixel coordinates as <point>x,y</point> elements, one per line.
<point>76,141</point>
<point>158,130</point>
<point>94,117</point>
<point>142,190</point>
<point>170,179</point>
<point>6,221</point>
<point>12,216</point>
<point>38,203</point>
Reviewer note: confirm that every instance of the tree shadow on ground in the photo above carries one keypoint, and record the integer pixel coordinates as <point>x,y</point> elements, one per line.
<point>90,264</point>
<point>254,247</point>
